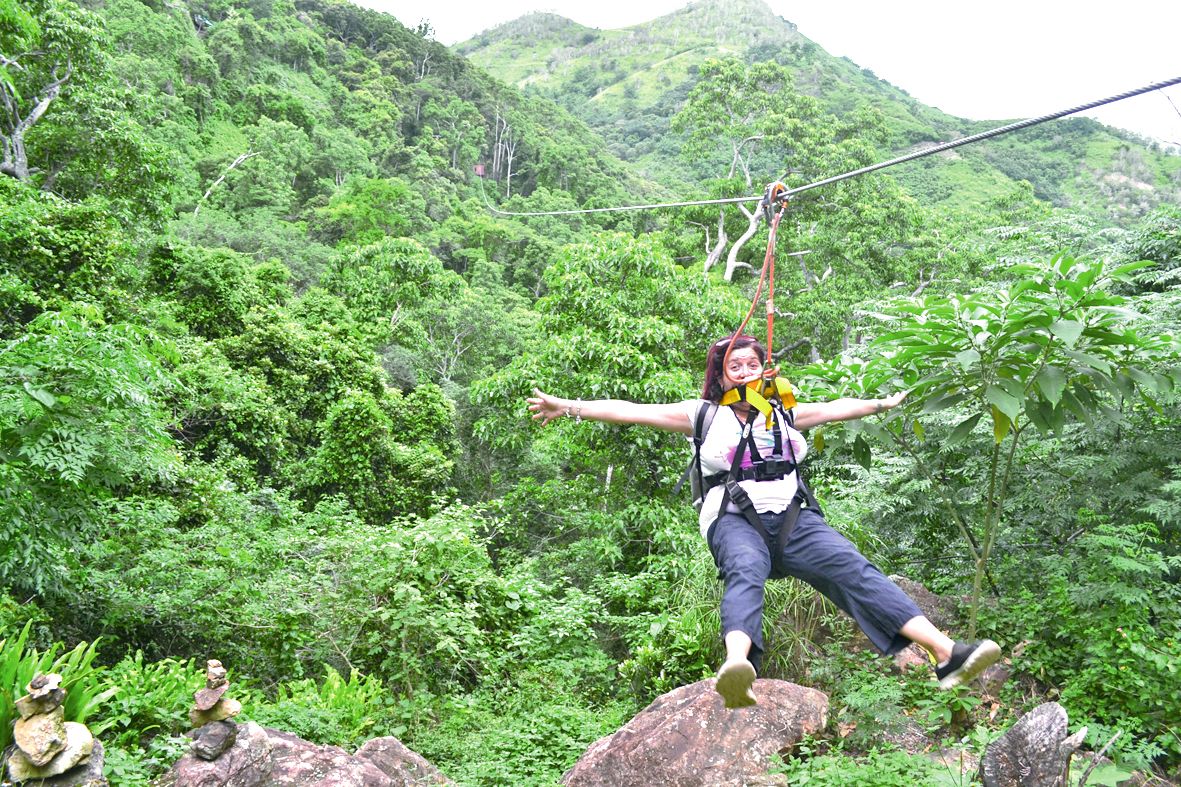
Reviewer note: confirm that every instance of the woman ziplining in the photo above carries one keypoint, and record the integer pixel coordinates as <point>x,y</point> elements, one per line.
<point>757,517</point>
<point>754,541</point>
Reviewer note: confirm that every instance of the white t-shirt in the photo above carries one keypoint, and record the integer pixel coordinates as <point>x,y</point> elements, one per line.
<point>717,455</point>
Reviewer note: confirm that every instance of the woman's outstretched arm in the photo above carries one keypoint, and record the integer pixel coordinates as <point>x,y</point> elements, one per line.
<point>669,417</point>
<point>816,413</point>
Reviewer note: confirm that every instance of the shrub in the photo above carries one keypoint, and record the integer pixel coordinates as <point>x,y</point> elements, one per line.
<point>1102,627</point>
<point>335,711</point>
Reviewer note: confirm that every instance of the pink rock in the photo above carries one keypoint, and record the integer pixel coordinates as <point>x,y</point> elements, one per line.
<point>688,738</point>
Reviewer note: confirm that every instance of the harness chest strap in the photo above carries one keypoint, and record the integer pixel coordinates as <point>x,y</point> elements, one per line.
<point>758,393</point>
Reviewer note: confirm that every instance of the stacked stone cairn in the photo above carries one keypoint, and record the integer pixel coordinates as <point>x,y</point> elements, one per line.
<point>213,731</point>
<point>48,746</point>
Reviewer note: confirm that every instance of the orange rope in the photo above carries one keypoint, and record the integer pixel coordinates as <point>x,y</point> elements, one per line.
<point>768,275</point>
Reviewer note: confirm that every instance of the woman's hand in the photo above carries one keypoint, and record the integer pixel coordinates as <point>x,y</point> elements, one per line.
<point>546,408</point>
<point>893,400</point>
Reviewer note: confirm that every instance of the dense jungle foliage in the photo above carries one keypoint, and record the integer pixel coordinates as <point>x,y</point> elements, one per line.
<point>265,354</point>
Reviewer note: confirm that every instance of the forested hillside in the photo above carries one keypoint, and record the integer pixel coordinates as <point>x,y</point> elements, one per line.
<point>266,348</point>
<point>627,84</point>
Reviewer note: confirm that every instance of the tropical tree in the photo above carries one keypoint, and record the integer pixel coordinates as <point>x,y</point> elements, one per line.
<point>1054,347</point>
<point>80,420</point>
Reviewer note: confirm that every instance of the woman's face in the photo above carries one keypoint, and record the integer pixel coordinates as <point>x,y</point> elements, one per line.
<point>741,367</point>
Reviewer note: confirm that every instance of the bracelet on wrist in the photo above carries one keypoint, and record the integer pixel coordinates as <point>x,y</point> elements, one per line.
<point>578,411</point>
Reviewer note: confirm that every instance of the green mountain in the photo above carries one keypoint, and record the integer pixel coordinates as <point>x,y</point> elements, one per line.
<point>627,84</point>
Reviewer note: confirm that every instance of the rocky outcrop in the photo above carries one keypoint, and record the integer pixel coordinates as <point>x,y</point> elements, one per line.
<point>687,738</point>
<point>247,763</point>
<point>262,757</point>
<point>1035,752</point>
<point>392,757</point>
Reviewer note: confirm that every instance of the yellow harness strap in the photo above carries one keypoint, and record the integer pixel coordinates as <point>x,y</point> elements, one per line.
<point>757,392</point>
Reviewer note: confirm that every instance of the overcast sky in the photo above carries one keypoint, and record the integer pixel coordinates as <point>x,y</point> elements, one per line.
<point>1002,59</point>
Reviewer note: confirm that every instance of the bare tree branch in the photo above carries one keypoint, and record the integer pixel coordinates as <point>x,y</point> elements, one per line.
<point>243,157</point>
<point>732,263</point>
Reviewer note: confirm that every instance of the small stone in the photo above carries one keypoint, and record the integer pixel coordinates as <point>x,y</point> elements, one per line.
<point>79,745</point>
<point>29,705</point>
<point>41,685</point>
<point>208,697</point>
<point>41,736</point>
<point>224,709</point>
<point>215,674</point>
<point>210,741</point>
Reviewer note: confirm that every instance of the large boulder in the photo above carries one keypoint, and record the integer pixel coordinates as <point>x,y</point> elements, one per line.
<point>1035,752</point>
<point>940,610</point>
<point>401,764</point>
<point>267,758</point>
<point>687,738</point>
<point>245,764</point>
<point>298,762</point>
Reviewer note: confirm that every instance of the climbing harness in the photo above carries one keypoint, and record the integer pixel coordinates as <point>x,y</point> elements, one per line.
<point>995,132</point>
<point>769,396</point>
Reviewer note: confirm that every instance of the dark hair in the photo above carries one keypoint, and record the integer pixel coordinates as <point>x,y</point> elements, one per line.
<point>717,355</point>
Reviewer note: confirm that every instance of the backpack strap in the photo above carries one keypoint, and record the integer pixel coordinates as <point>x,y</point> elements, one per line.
<point>703,419</point>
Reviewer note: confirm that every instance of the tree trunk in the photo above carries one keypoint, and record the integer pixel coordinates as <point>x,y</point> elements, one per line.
<point>732,263</point>
<point>713,255</point>
<point>1035,751</point>
<point>12,135</point>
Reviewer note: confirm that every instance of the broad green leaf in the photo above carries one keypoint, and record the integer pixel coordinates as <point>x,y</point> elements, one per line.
<point>1089,360</point>
<point>963,429</point>
<point>1144,380</point>
<point>41,395</point>
<point>1075,406</point>
<point>1123,270</point>
<point>1067,330</point>
<point>1088,275</point>
<point>967,358</point>
<point>818,441</point>
<point>919,431</point>
<point>1001,424</point>
<point>1057,418</point>
<point>1036,410</point>
<point>1124,385</point>
<point>1086,397</point>
<point>862,452</point>
<point>939,402</point>
<point>1051,381</point>
<point>1006,402</point>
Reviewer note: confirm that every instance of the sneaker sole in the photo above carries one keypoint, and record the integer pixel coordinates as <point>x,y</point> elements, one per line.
<point>734,684</point>
<point>983,657</point>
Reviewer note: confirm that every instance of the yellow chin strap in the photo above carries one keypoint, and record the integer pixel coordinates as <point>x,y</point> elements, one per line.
<point>757,392</point>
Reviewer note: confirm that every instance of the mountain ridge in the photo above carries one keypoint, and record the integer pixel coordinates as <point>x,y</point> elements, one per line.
<point>627,83</point>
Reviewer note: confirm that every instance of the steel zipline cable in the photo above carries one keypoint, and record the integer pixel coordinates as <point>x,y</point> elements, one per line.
<point>864,170</point>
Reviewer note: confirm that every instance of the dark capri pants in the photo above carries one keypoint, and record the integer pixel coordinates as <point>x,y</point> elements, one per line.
<point>818,555</point>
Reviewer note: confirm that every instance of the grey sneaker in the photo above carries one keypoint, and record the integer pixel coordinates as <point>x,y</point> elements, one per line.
<point>968,659</point>
<point>735,679</point>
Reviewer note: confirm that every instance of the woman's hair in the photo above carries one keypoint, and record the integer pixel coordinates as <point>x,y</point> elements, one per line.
<point>717,354</point>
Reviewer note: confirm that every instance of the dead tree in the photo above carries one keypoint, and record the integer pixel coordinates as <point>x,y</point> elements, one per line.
<point>13,124</point>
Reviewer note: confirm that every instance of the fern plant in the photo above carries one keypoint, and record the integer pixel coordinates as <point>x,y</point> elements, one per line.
<point>84,684</point>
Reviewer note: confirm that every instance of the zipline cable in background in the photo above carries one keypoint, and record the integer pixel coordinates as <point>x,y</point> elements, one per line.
<point>864,170</point>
